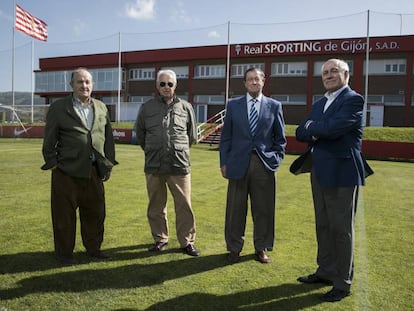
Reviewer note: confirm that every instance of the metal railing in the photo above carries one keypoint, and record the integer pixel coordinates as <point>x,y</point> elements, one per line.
<point>211,125</point>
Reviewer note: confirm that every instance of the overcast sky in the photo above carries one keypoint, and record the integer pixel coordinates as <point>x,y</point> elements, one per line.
<point>79,27</point>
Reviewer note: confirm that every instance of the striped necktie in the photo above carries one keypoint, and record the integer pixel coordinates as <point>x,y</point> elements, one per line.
<point>253,117</point>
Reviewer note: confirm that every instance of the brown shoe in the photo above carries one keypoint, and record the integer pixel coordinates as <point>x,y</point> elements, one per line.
<point>262,257</point>
<point>233,257</point>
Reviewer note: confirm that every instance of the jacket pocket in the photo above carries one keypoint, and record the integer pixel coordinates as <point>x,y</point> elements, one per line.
<point>179,120</point>
<point>181,157</point>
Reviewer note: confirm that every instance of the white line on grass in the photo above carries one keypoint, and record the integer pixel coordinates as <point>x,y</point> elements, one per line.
<point>361,287</point>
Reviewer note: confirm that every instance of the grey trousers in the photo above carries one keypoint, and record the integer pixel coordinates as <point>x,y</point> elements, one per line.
<point>260,186</point>
<point>335,210</point>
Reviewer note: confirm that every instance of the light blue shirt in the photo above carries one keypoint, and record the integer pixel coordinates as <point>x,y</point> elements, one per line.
<point>256,105</point>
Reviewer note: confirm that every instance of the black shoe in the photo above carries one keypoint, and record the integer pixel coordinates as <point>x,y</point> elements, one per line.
<point>158,246</point>
<point>233,257</point>
<point>335,294</point>
<point>190,250</point>
<point>313,279</point>
<point>99,255</point>
<point>67,261</point>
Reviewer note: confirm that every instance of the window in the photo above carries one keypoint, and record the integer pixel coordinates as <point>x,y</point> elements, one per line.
<point>387,100</point>
<point>387,66</point>
<point>200,113</point>
<point>52,81</point>
<point>139,99</point>
<point>105,79</point>
<point>317,68</point>
<point>209,99</point>
<point>201,103</point>
<point>375,99</point>
<point>393,100</point>
<point>238,70</point>
<point>109,100</point>
<point>289,69</point>
<point>181,72</point>
<point>210,71</point>
<point>395,68</point>
<point>142,74</point>
<point>291,99</point>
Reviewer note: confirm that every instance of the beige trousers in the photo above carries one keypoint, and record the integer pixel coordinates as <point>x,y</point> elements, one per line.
<point>180,188</point>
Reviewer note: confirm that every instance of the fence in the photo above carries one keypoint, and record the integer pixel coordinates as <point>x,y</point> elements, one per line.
<point>37,113</point>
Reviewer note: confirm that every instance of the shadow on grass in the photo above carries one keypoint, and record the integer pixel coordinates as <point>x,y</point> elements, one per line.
<point>84,278</point>
<point>42,261</point>
<point>125,276</point>
<point>281,297</point>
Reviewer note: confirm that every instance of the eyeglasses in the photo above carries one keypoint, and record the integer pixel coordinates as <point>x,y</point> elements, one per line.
<point>163,84</point>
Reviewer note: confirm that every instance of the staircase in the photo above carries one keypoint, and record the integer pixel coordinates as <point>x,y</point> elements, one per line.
<point>209,132</point>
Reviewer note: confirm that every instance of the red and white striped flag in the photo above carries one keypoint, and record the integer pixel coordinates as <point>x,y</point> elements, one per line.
<point>30,25</point>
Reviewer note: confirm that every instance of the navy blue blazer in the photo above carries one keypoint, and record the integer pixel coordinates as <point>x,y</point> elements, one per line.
<point>237,143</point>
<point>335,138</point>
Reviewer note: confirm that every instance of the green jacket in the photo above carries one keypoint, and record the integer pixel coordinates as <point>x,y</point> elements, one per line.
<point>165,133</point>
<point>69,144</point>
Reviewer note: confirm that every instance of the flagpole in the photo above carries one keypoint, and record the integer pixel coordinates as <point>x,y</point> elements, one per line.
<point>119,80</point>
<point>14,43</point>
<point>364,117</point>
<point>32,83</point>
<point>228,64</point>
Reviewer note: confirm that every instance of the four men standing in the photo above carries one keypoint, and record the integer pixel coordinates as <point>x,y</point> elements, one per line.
<point>79,148</point>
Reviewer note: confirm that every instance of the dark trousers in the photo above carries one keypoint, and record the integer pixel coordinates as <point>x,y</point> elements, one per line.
<point>335,210</point>
<point>260,185</point>
<point>67,195</point>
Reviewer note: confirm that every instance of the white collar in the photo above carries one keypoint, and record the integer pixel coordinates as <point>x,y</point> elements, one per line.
<point>259,97</point>
<point>332,95</point>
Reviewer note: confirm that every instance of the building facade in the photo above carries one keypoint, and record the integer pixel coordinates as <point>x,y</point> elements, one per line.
<point>292,69</point>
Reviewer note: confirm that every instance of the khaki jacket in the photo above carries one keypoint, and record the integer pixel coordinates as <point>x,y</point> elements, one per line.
<point>165,133</point>
<point>69,145</point>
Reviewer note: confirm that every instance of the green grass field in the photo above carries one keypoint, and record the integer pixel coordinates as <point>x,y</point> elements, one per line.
<point>30,278</point>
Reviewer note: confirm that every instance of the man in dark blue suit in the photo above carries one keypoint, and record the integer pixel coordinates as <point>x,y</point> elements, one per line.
<point>252,146</point>
<point>333,131</point>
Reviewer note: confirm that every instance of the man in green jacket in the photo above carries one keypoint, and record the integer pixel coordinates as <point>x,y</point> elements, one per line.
<point>165,130</point>
<point>79,148</point>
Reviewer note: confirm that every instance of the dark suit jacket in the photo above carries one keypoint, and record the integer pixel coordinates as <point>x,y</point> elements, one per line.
<point>237,142</point>
<point>335,138</point>
<point>70,145</point>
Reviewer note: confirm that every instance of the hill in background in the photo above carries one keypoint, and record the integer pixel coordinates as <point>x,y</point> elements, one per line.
<point>20,98</point>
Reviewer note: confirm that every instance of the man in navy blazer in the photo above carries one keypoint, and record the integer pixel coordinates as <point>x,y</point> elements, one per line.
<point>249,159</point>
<point>333,131</point>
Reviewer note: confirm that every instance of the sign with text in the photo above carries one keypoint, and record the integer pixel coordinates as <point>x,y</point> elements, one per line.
<point>334,46</point>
